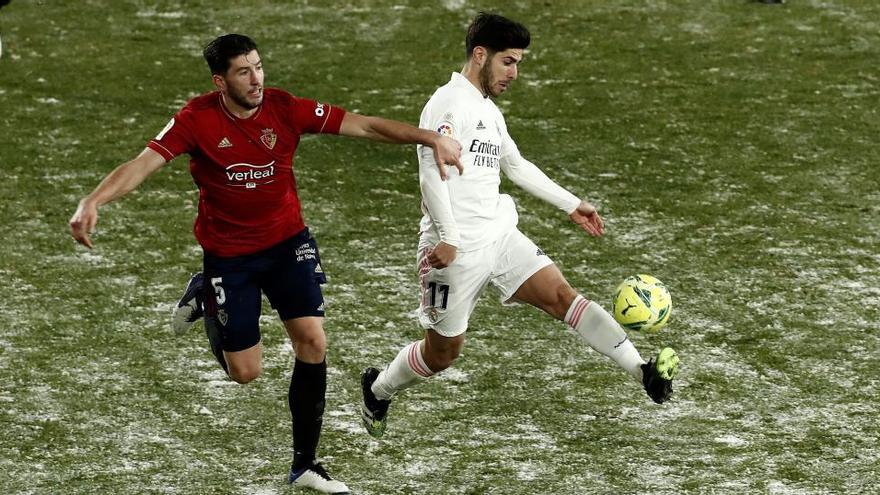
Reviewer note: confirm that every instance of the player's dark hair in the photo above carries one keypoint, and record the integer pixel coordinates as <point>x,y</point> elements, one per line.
<point>496,33</point>
<point>222,50</point>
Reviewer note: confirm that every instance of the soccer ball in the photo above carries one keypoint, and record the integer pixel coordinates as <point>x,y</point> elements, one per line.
<point>641,302</point>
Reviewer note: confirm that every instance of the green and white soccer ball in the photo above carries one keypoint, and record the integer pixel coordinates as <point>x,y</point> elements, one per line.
<point>641,302</point>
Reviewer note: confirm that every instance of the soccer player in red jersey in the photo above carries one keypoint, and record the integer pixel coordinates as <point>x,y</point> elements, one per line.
<point>241,140</point>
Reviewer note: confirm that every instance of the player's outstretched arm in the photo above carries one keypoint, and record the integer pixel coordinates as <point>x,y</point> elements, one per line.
<point>528,176</point>
<point>447,151</point>
<point>586,216</point>
<point>122,180</point>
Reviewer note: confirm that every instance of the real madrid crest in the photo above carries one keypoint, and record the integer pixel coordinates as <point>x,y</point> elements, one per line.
<point>269,138</point>
<point>433,315</point>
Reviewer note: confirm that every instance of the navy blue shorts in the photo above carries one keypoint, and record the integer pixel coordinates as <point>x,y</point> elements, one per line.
<point>289,273</point>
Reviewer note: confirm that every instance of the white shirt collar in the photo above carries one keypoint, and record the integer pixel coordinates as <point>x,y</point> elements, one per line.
<point>462,82</point>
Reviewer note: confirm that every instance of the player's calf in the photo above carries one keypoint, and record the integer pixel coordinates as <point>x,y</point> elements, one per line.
<point>440,352</point>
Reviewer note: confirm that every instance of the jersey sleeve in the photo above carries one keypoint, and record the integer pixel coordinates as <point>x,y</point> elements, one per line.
<point>509,149</point>
<point>445,119</point>
<point>313,117</point>
<point>176,138</point>
<point>528,176</point>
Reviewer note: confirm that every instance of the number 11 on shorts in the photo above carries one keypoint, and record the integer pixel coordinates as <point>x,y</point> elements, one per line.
<point>433,289</point>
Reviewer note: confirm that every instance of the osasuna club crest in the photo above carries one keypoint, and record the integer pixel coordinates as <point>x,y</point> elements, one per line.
<point>269,138</point>
<point>222,317</point>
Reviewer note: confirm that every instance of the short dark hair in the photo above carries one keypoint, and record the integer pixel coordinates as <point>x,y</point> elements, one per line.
<point>497,33</point>
<point>223,49</point>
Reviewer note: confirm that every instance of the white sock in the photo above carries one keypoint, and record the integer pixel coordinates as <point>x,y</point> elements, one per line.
<point>407,369</point>
<point>602,332</point>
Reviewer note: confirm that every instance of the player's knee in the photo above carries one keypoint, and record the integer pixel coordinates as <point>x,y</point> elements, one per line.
<point>311,346</point>
<point>244,374</point>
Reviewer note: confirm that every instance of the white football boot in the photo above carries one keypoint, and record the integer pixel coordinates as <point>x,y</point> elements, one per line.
<point>316,478</point>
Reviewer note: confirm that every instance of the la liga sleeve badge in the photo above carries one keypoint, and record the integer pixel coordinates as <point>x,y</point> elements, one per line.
<point>445,129</point>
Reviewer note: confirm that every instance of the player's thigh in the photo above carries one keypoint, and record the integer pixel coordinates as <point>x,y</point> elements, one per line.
<point>293,284</point>
<point>547,290</point>
<point>517,260</point>
<point>232,302</point>
<point>447,296</point>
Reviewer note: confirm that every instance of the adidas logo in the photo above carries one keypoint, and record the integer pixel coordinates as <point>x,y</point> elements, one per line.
<point>321,307</point>
<point>480,125</point>
<point>540,252</point>
<point>318,269</point>
<point>224,143</point>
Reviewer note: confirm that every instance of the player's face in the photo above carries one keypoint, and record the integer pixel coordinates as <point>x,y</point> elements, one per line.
<point>243,81</point>
<point>500,70</point>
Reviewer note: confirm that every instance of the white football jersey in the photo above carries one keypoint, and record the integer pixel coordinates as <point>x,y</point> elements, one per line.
<point>459,110</point>
<point>467,210</point>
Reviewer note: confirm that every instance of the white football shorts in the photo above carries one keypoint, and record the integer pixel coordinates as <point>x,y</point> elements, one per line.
<point>449,295</point>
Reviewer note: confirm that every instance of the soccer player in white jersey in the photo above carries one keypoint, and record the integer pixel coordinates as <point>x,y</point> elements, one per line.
<point>469,236</point>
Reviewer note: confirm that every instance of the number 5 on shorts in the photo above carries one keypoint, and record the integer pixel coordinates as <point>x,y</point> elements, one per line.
<point>218,290</point>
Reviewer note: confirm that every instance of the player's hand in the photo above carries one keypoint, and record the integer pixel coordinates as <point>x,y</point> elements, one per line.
<point>447,151</point>
<point>442,255</point>
<point>83,222</point>
<point>586,216</point>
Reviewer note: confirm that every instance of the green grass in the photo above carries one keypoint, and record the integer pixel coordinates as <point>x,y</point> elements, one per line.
<point>731,147</point>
